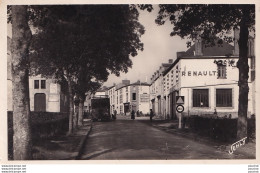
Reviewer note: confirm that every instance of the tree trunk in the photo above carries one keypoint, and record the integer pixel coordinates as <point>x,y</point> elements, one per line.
<point>81,110</point>
<point>243,77</point>
<point>71,106</point>
<point>21,37</point>
<point>76,112</point>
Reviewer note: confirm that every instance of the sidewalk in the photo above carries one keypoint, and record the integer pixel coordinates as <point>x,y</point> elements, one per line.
<point>63,147</point>
<point>171,126</point>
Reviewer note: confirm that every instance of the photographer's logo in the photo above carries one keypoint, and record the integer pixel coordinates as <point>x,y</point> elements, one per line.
<point>236,145</point>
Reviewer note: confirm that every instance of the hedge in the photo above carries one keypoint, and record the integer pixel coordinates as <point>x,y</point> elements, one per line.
<point>222,129</point>
<point>43,125</point>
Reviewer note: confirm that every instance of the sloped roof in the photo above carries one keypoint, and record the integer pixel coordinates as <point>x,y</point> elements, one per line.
<point>223,49</point>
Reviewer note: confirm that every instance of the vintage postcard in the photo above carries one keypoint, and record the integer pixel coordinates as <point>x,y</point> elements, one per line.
<point>138,82</point>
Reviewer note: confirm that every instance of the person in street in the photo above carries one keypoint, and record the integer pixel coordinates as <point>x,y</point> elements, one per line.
<point>151,115</point>
<point>133,115</point>
<point>137,113</point>
<point>114,116</point>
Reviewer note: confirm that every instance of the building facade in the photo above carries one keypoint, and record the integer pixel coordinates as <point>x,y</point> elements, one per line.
<point>45,94</point>
<point>157,99</point>
<point>207,77</point>
<point>126,97</point>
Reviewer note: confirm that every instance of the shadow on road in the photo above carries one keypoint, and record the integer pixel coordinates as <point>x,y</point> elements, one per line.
<point>98,154</point>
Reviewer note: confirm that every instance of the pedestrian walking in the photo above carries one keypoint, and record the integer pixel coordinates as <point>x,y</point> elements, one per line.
<point>133,115</point>
<point>114,116</point>
<point>151,115</point>
<point>137,113</point>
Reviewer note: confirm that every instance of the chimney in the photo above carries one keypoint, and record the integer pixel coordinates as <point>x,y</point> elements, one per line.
<point>170,61</point>
<point>236,38</point>
<point>180,54</point>
<point>198,45</point>
<point>126,82</point>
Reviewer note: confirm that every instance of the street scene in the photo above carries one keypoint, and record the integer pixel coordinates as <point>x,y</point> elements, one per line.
<point>131,82</point>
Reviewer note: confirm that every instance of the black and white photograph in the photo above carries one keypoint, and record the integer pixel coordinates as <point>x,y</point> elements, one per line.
<point>131,82</point>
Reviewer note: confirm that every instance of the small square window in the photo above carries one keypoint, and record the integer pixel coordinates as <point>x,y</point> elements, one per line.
<point>36,84</point>
<point>43,84</point>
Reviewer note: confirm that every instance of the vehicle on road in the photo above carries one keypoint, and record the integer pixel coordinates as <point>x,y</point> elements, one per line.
<point>100,108</point>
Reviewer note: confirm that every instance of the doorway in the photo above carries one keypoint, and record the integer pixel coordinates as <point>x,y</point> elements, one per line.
<point>40,102</point>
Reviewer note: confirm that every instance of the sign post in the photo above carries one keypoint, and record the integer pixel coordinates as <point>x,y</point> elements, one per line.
<point>179,107</point>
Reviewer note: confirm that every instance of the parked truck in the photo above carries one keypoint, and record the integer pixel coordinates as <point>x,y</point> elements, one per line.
<point>100,109</point>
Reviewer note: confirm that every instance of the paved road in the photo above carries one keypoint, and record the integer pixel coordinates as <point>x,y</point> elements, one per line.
<point>134,140</point>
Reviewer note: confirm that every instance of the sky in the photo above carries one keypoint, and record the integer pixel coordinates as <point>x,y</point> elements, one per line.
<point>159,47</point>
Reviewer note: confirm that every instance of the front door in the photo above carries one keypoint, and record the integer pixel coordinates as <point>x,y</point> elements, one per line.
<point>40,102</point>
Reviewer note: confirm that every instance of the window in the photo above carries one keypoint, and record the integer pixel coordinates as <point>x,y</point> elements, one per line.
<point>43,84</point>
<point>121,108</point>
<point>121,99</point>
<point>36,84</point>
<point>223,97</point>
<point>222,72</point>
<point>200,98</point>
<point>126,97</point>
<point>134,96</point>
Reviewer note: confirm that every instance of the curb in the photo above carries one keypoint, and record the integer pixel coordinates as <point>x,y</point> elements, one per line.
<point>82,142</point>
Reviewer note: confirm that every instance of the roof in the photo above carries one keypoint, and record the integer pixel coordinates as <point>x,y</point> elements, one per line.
<point>140,83</point>
<point>223,49</point>
<point>220,50</point>
<point>101,90</point>
<point>108,88</point>
<point>136,83</point>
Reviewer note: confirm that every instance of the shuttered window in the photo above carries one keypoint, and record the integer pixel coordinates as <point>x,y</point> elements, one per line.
<point>200,98</point>
<point>222,72</point>
<point>224,97</point>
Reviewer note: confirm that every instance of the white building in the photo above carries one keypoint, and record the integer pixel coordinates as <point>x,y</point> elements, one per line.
<point>126,97</point>
<point>208,80</point>
<point>157,99</point>
<point>45,94</point>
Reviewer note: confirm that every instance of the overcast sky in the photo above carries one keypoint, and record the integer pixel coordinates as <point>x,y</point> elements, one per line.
<point>159,46</point>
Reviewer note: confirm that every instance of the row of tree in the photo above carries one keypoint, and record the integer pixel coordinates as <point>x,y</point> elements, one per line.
<point>76,45</point>
<point>79,44</point>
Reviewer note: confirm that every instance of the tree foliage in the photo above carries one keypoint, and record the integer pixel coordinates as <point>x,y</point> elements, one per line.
<point>82,44</point>
<point>209,20</point>
<point>100,37</point>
